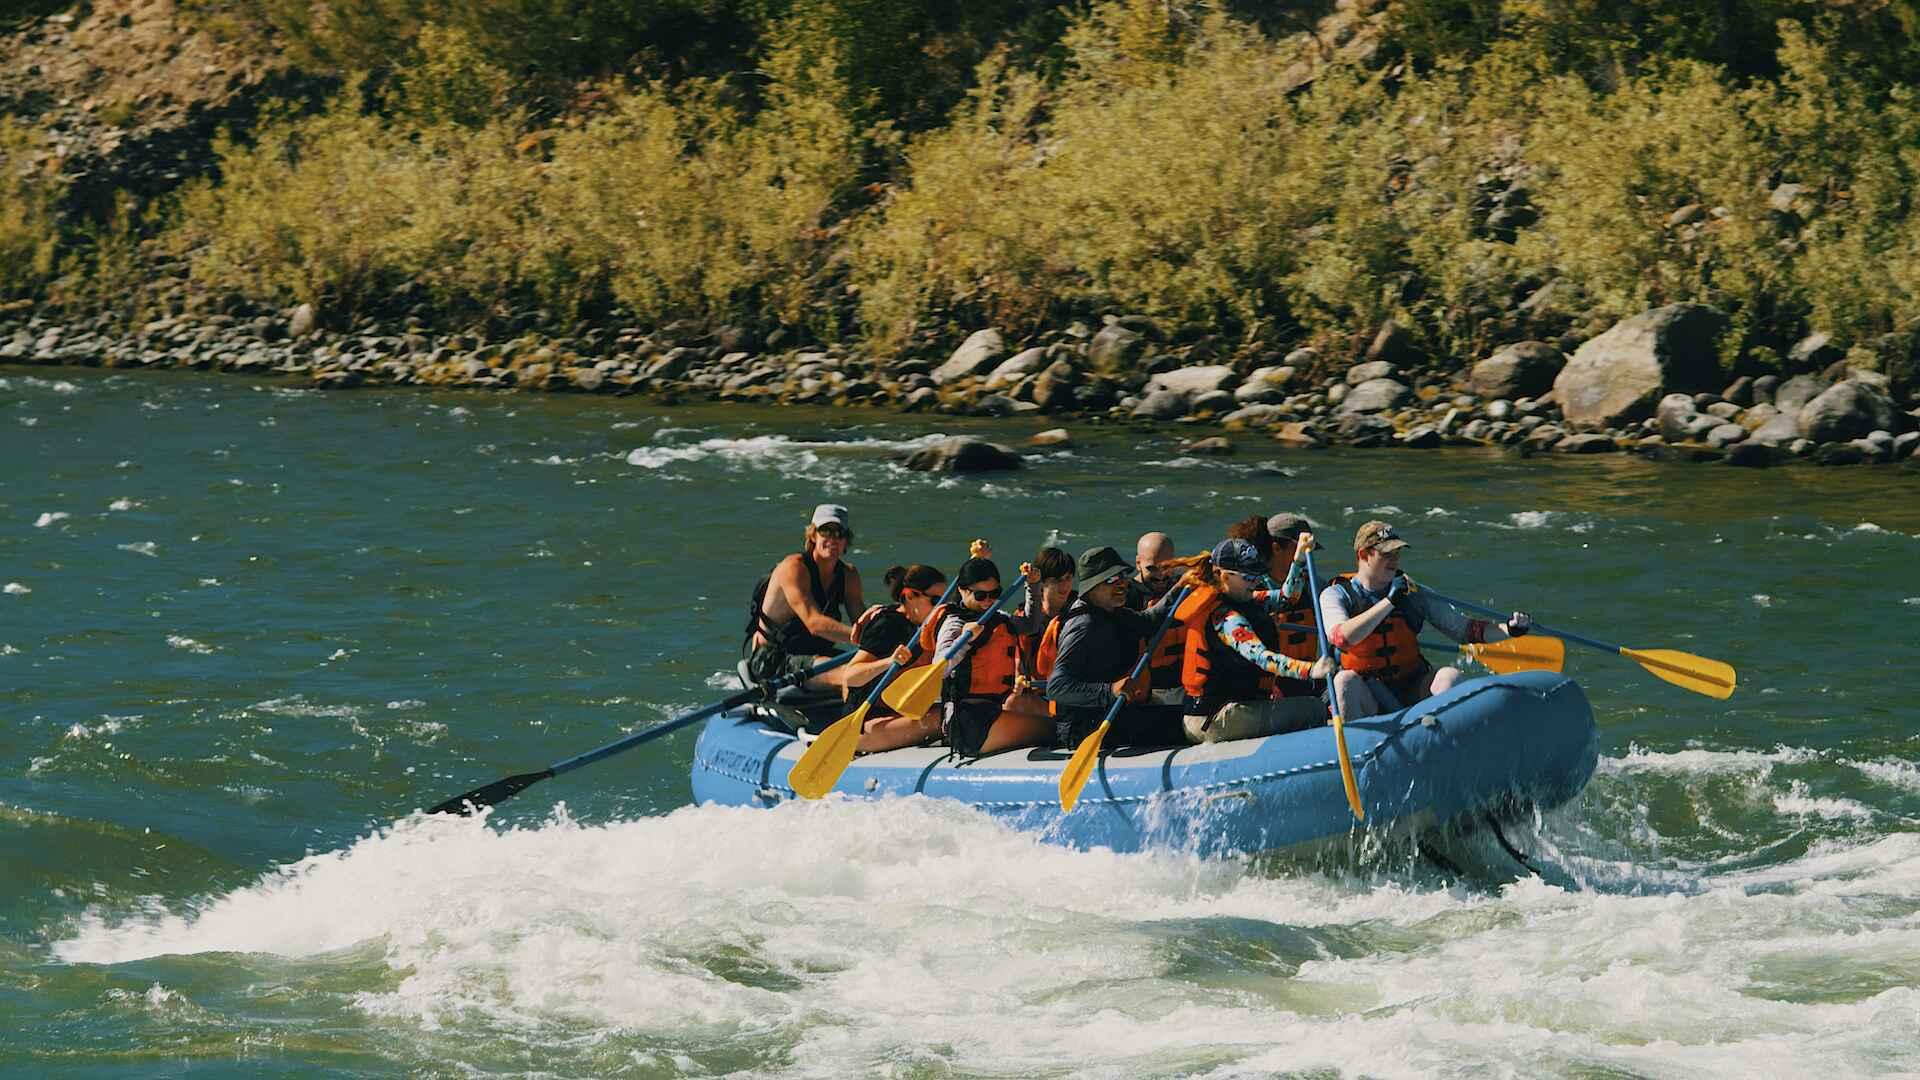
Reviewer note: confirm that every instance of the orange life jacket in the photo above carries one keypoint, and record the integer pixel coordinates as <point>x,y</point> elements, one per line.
<point>1211,672</point>
<point>1300,644</point>
<point>987,670</point>
<point>1392,652</point>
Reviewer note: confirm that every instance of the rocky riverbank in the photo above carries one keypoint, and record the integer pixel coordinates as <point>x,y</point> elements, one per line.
<point>1646,386</point>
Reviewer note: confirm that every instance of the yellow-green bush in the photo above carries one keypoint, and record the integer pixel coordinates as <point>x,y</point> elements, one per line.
<point>685,206</point>
<point>29,225</point>
<point>1163,191</point>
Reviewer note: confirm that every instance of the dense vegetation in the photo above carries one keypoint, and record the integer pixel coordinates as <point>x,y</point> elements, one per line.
<point>901,172</point>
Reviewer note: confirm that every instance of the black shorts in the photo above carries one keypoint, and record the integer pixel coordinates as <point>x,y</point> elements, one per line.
<point>967,723</point>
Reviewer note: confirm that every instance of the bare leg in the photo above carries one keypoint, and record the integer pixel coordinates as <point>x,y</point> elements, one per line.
<point>1014,729</point>
<point>1443,680</point>
<point>894,732</point>
<point>1355,698</point>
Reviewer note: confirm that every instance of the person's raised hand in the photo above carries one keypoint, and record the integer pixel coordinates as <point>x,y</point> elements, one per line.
<point>1320,668</point>
<point>1302,547</point>
<point>1520,625</point>
<point>902,655</point>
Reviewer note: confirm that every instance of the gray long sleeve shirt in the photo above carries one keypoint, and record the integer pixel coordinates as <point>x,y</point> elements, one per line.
<point>1098,647</point>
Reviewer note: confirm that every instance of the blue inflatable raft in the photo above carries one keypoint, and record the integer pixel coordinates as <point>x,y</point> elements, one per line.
<point>1504,745</point>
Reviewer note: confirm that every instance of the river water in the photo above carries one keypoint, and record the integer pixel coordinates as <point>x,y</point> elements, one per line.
<point>248,629</point>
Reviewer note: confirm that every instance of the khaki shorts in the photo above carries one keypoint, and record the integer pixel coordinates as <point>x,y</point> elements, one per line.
<point>1252,719</point>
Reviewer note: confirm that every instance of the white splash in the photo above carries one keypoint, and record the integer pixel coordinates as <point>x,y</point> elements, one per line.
<point>1797,800</point>
<point>123,504</point>
<point>14,588</point>
<point>1706,761</point>
<point>181,641</point>
<point>145,547</point>
<point>852,939</point>
<point>1762,600</point>
<point>47,519</point>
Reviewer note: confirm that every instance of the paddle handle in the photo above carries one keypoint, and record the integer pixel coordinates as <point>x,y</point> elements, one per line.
<point>694,717</point>
<point>1542,628</point>
<point>1146,657</point>
<point>894,668</point>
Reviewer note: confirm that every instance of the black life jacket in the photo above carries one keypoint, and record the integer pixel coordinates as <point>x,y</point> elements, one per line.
<point>792,636</point>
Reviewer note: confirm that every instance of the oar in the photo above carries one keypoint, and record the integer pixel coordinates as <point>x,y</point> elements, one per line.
<point>827,759</point>
<point>501,790</point>
<point>1333,705</point>
<point>1699,674</point>
<point>1080,765</point>
<point>913,693</point>
<point>1534,652</point>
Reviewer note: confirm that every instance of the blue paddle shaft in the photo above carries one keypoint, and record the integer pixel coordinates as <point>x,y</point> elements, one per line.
<point>1320,630</point>
<point>1541,627</point>
<point>694,717</point>
<point>1153,643</point>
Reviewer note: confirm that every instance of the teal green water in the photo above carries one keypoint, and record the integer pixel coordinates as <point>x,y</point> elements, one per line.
<point>248,629</point>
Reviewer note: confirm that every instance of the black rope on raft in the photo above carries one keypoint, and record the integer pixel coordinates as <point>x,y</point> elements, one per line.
<point>1510,849</point>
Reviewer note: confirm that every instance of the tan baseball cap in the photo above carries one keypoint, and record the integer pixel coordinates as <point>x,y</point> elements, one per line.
<point>1377,536</point>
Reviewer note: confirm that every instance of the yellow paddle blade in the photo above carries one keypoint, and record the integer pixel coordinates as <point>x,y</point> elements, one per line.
<point>1080,767</point>
<point>1346,769</point>
<point>821,766</point>
<point>915,691</point>
<point>1534,652</point>
<point>1696,673</point>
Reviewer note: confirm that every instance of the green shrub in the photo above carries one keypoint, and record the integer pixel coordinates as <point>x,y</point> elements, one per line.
<point>29,219</point>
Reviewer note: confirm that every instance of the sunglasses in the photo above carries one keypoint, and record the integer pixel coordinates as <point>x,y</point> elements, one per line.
<point>833,532</point>
<point>985,594</point>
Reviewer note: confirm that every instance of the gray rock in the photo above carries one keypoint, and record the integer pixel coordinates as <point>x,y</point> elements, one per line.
<point>1374,396</point>
<point>1301,358</point>
<point>1725,410</point>
<point>1364,430</point>
<point>1848,409</point>
<point>1618,377</point>
<point>1753,455</point>
<point>980,353</point>
<point>995,405</point>
<point>1265,386</point>
<point>1015,367</point>
<point>925,397</point>
<point>1475,430</point>
<point>963,454</point>
<point>1792,396</point>
<point>1725,435</point>
<point>1367,372</point>
<point>1161,405</point>
<point>1051,437</point>
<point>1337,393</point>
<point>1424,437</point>
<point>1117,349</point>
<point>1526,369</point>
<point>1764,387</point>
<point>1213,402</point>
<point>1903,445</point>
<point>1214,447</point>
<point>1845,453</point>
<point>1195,381</point>
<point>1739,392</point>
<point>1499,410</point>
<point>1053,388</point>
<point>1393,344</point>
<point>303,322</point>
<point>673,365</point>
<point>1258,415</point>
<point>1591,443</point>
<point>1678,419</point>
<point>1816,350</point>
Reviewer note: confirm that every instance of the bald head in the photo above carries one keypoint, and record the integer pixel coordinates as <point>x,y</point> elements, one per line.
<point>1153,547</point>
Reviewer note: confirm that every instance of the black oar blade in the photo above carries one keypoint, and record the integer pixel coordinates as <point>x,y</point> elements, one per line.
<point>497,792</point>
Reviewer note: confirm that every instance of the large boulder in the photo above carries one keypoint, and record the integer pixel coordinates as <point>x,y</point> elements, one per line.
<point>1617,378</point>
<point>1393,344</point>
<point>1162,405</point>
<point>1792,396</point>
<point>1117,349</point>
<point>963,454</point>
<point>1523,370</point>
<point>1194,381</point>
<point>1016,367</point>
<point>1053,390</point>
<point>1374,396</point>
<point>1777,430</point>
<point>1265,386</point>
<point>1849,409</point>
<point>980,353</point>
<point>1369,371</point>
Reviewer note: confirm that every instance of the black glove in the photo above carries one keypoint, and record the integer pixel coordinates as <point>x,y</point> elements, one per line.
<point>1401,588</point>
<point>1519,625</point>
